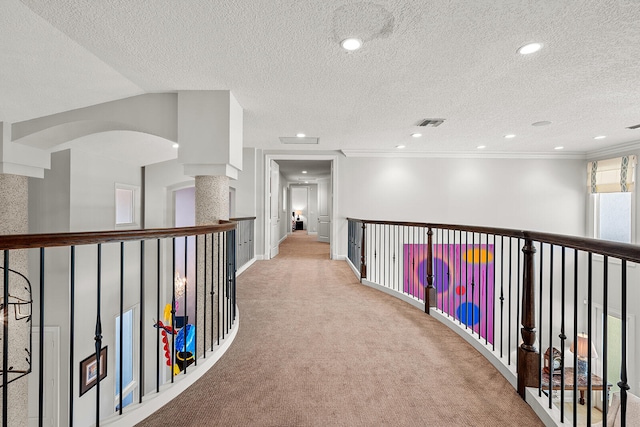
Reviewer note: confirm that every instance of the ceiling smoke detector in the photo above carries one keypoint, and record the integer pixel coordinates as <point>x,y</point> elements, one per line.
<point>430,122</point>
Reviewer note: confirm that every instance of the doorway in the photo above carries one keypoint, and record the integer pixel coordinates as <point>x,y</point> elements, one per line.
<point>297,171</point>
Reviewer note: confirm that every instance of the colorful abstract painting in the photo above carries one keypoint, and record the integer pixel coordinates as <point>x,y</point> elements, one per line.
<point>463,278</point>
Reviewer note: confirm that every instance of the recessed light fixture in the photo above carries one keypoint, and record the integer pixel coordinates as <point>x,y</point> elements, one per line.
<point>529,48</point>
<point>542,123</point>
<point>416,135</point>
<point>600,137</point>
<point>300,135</point>
<point>351,44</point>
<point>481,147</point>
<point>306,182</point>
<point>304,171</point>
<point>510,136</point>
<point>560,147</point>
<point>176,145</point>
<point>400,146</point>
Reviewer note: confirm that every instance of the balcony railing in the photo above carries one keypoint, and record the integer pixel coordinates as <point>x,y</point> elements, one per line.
<point>513,293</point>
<point>126,326</point>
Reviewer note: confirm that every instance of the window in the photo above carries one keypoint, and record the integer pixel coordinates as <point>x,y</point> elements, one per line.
<point>611,183</point>
<point>128,383</point>
<point>125,200</point>
<point>613,216</point>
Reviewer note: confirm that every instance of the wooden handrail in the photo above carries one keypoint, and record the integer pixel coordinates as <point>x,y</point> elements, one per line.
<point>244,218</point>
<point>624,251</point>
<point>27,241</point>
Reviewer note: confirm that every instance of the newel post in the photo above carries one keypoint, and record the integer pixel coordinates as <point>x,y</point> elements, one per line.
<point>429,290</point>
<point>363,259</point>
<point>528,355</point>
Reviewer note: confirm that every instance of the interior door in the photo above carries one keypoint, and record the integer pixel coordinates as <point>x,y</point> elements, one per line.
<point>51,378</point>
<point>324,210</point>
<point>274,208</point>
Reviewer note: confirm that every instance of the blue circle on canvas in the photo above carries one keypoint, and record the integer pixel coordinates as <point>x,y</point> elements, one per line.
<point>468,313</point>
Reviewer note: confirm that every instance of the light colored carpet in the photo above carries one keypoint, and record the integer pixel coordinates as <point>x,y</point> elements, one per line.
<point>317,348</point>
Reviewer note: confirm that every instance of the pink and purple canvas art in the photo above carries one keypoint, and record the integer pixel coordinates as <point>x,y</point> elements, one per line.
<point>463,278</point>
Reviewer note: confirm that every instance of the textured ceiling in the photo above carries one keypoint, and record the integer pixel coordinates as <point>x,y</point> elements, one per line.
<point>455,60</point>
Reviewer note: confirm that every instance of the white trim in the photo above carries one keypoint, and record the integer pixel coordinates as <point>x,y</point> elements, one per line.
<point>464,155</point>
<point>246,266</point>
<point>507,371</point>
<point>623,149</point>
<point>619,149</point>
<point>55,331</point>
<point>135,413</point>
<point>136,202</point>
<point>334,202</point>
<point>353,268</point>
<point>406,298</point>
<point>540,405</point>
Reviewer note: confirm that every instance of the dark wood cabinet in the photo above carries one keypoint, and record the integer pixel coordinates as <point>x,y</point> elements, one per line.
<point>299,225</point>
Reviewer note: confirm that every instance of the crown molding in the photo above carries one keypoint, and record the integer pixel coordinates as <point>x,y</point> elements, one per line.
<point>614,150</point>
<point>465,154</point>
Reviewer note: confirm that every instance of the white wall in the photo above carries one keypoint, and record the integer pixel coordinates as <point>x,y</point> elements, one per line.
<point>160,180</point>
<point>530,194</point>
<point>52,192</point>
<point>85,184</point>
<point>245,185</point>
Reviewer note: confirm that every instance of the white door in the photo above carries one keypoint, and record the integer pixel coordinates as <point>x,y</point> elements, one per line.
<point>274,187</point>
<point>51,378</point>
<point>324,210</point>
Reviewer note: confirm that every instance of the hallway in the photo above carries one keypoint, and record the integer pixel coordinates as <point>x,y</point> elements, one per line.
<point>317,348</point>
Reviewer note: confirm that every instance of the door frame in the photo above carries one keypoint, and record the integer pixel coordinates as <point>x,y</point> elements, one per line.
<point>334,196</point>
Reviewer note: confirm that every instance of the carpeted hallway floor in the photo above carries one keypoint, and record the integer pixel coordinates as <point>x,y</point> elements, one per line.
<point>317,348</point>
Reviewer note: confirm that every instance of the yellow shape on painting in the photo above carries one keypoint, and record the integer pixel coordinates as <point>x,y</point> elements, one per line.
<point>477,255</point>
<point>167,314</point>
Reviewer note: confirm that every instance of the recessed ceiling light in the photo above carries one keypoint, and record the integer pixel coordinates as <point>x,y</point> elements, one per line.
<point>416,135</point>
<point>481,147</point>
<point>542,123</point>
<point>306,182</point>
<point>529,48</point>
<point>560,147</point>
<point>351,44</point>
<point>400,146</point>
<point>176,145</point>
<point>304,171</point>
<point>300,135</point>
<point>600,137</point>
<point>510,136</point>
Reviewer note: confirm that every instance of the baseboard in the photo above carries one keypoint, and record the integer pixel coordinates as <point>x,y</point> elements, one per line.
<point>406,298</point>
<point>245,266</point>
<point>353,268</point>
<point>540,406</point>
<point>507,371</point>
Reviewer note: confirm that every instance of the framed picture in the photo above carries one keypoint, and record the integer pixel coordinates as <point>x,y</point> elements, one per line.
<point>89,371</point>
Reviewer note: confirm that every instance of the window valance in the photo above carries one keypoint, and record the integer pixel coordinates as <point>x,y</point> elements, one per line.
<point>612,175</point>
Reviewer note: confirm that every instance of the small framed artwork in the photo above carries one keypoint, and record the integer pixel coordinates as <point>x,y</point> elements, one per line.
<point>89,371</point>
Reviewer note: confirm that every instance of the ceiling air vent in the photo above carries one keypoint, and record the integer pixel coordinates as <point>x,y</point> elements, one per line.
<point>298,140</point>
<point>634,127</point>
<point>430,122</point>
